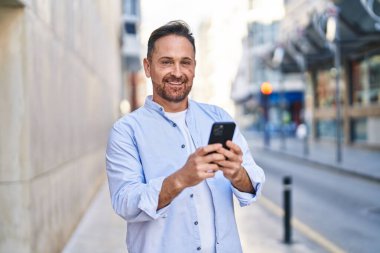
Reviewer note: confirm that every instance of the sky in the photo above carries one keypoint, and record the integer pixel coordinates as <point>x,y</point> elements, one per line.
<point>223,42</point>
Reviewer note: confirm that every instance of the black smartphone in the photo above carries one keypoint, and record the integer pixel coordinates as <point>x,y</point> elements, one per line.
<point>221,132</point>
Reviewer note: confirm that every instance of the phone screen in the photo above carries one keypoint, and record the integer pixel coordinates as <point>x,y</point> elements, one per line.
<point>221,132</point>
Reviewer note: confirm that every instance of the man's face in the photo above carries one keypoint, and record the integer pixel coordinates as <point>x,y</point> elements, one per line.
<point>171,68</point>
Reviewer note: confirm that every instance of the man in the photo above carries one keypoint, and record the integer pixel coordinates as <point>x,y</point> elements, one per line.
<point>173,189</point>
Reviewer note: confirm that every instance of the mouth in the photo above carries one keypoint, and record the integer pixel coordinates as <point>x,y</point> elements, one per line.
<point>174,81</point>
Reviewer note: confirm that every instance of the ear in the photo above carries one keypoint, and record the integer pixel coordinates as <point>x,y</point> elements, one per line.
<point>195,64</point>
<point>147,67</point>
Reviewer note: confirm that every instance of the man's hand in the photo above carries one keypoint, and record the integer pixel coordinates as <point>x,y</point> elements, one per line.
<point>200,165</point>
<point>232,168</point>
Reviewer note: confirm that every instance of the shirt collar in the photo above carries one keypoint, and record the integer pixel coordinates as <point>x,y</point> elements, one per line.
<point>149,103</point>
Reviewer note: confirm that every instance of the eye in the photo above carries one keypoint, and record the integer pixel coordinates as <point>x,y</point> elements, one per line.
<point>186,62</point>
<point>166,62</point>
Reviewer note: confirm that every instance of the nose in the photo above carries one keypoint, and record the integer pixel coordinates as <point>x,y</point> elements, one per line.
<point>176,70</point>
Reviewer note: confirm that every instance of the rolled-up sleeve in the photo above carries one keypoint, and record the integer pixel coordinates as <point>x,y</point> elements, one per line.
<point>255,173</point>
<point>132,197</point>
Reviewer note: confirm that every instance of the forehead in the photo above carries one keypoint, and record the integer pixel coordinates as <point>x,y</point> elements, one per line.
<point>173,46</point>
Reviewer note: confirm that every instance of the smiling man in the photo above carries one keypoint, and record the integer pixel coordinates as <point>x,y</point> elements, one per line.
<point>174,190</point>
<point>171,67</point>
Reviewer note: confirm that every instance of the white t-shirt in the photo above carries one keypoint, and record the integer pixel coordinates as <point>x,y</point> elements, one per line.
<point>202,194</point>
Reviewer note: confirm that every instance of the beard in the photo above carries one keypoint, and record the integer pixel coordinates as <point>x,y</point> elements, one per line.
<point>173,92</point>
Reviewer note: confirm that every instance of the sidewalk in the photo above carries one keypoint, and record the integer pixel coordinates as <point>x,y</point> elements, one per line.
<point>102,231</point>
<point>357,161</point>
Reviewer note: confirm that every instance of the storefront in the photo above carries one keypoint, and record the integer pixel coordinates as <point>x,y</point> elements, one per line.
<point>359,71</point>
<point>363,116</point>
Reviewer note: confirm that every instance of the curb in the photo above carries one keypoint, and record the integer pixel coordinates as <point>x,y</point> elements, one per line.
<point>325,165</point>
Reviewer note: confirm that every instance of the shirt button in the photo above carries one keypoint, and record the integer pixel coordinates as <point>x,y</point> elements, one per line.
<point>174,124</point>
<point>191,195</point>
<point>196,223</point>
<point>183,146</point>
<point>199,248</point>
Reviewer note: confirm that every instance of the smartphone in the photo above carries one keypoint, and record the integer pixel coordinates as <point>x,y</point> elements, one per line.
<point>221,132</point>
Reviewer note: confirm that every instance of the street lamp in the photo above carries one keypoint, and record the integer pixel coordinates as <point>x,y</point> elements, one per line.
<point>278,57</point>
<point>332,35</point>
<point>266,89</point>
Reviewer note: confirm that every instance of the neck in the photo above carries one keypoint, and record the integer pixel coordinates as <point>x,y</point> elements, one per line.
<point>171,106</point>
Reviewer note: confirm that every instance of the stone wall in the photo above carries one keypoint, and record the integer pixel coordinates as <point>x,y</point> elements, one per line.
<point>59,94</point>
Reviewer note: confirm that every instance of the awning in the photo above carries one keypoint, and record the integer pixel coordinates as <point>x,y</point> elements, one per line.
<point>359,33</point>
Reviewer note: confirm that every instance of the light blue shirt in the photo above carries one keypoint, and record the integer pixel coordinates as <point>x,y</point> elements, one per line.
<point>144,148</point>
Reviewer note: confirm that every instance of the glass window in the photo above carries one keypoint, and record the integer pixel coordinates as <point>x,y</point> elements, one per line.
<point>326,129</point>
<point>359,129</point>
<point>366,81</point>
<point>130,28</point>
<point>374,79</point>
<point>326,88</point>
<point>130,7</point>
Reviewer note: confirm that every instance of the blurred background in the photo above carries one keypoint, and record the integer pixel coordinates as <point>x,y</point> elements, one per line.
<point>301,77</point>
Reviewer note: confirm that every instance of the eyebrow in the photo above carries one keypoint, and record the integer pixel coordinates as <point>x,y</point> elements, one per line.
<point>171,58</point>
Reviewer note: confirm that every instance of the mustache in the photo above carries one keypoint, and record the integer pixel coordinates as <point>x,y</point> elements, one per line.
<point>172,78</point>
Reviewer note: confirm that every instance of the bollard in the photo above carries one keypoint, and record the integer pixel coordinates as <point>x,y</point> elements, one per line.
<point>287,182</point>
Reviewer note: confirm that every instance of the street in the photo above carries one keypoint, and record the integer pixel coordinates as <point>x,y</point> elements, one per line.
<point>343,208</point>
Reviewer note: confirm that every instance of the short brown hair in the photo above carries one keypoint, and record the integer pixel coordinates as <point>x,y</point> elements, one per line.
<point>176,27</point>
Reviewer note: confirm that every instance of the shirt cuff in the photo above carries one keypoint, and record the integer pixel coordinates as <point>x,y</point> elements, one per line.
<point>149,199</point>
<point>246,198</point>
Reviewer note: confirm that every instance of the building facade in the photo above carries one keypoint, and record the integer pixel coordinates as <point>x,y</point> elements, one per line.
<point>131,60</point>
<point>59,95</point>
<point>326,51</point>
<point>282,112</point>
<point>343,72</point>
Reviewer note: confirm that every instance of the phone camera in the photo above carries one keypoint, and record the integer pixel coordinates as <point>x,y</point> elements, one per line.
<point>218,130</point>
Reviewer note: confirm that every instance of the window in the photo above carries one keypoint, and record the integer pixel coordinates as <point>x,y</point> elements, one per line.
<point>366,81</point>
<point>326,88</point>
<point>130,7</point>
<point>326,129</point>
<point>374,79</point>
<point>130,28</point>
<point>359,130</point>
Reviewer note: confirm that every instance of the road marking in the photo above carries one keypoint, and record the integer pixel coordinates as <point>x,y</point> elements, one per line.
<point>303,228</point>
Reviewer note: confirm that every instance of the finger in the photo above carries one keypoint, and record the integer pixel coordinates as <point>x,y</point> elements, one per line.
<point>210,174</point>
<point>201,168</point>
<point>234,147</point>
<point>230,155</point>
<point>209,170</point>
<point>214,158</point>
<point>208,149</point>
<point>225,152</point>
<point>229,165</point>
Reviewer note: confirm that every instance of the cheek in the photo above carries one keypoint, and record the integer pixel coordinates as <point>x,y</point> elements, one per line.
<point>159,74</point>
<point>189,73</point>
